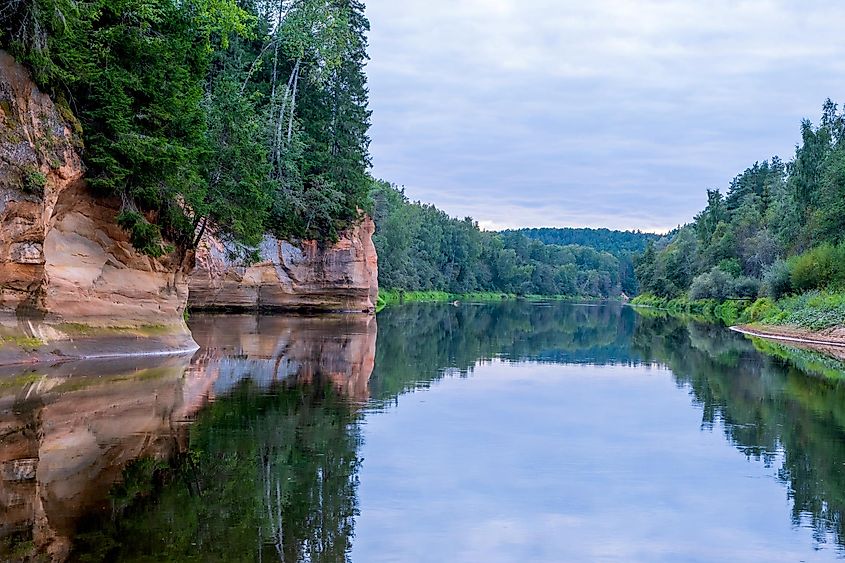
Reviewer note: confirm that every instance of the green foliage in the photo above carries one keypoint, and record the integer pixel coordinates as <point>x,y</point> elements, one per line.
<point>762,308</point>
<point>720,285</point>
<point>422,249</point>
<point>618,243</point>
<point>777,279</point>
<point>815,310</point>
<point>143,235</point>
<point>730,266</point>
<point>715,284</point>
<point>780,227</point>
<point>188,115</point>
<point>820,268</point>
<point>729,312</point>
<point>34,181</point>
<point>746,287</point>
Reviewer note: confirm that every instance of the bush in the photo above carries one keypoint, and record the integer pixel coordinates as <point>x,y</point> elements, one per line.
<point>715,284</point>
<point>34,181</point>
<point>776,279</point>
<point>815,310</point>
<point>761,309</point>
<point>746,287</point>
<point>144,236</point>
<point>822,267</point>
<point>730,312</point>
<point>730,266</point>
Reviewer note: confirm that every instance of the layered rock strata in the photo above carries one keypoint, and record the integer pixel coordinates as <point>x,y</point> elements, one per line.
<point>308,276</point>
<point>64,262</point>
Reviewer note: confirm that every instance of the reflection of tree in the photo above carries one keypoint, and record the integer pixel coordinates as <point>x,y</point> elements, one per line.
<point>267,476</point>
<point>270,473</point>
<point>416,342</point>
<point>770,409</point>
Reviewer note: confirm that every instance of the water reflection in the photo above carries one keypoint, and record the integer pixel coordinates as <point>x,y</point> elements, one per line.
<point>267,350</point>
<point>67,433</point>
<point>282,440</point>
<point>251,450</point>
<point>420,342</point>
<point>785,408</point>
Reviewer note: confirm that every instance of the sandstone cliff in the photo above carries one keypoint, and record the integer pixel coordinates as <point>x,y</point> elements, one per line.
<point>63,259</point>
<point>338,277</point>
<point>72,285</point>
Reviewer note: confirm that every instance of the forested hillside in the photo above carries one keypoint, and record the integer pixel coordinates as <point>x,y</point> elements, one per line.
<point>421,248</point>
<point>618,243</point>
<point>247,115</point>
<point>779,229</point>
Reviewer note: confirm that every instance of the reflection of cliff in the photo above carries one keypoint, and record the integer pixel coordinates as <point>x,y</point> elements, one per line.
<point>268,475</point>
<point>68,432</point>
<point>272,349</point>
<point>65,437</point>
<point>770,410</point>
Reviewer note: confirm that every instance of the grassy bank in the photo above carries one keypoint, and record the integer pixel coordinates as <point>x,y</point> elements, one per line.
<point>392,296</point>
<point>813,310</point>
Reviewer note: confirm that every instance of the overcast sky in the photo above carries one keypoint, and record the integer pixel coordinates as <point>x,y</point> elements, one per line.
<point>600,113</point>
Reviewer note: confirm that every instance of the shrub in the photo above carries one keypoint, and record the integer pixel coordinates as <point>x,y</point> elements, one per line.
<point>761,309</point>
<point>730,266</point>
<point>730,312</point>
<point>715,284</point>
<point>746,287</point>
<point>815,310</point>
<point>144,236</point>
<point>34,181</point>
<point>776,279</point>
<point>820,268</point>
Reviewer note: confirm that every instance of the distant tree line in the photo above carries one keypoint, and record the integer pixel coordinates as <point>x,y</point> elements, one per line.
<point>779,228</point>
<point>421,248</point>
<point>246,116</point>
<point>618,243</point>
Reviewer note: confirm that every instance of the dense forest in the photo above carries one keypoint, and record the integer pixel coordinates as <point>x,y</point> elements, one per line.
<point>421,248</point>
<point>618,243</point>
<point>244,115</point>
<point>779,229</point>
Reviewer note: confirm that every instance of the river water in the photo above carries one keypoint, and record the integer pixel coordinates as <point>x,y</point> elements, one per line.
<point>477,433</point>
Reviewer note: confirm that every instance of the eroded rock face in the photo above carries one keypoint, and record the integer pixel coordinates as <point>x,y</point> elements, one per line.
<point>63,259</point>
<point>339,277</point>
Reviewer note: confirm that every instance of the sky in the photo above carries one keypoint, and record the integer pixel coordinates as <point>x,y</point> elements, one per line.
<point>599,113</point>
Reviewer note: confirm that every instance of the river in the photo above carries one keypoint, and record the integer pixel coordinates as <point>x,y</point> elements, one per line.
<point>478,432</point>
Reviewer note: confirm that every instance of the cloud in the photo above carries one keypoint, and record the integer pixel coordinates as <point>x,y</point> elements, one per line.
<point>606,113</point>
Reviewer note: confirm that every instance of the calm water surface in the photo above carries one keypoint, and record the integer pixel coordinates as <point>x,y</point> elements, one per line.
<point>478,433</point>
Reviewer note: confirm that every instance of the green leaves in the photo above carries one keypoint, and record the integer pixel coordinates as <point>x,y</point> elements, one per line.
<point>179,104</point>
<point>144,236</point>
<point>421,248</point>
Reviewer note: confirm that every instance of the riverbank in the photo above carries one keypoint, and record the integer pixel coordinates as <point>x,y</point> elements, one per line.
<point>392,296</point>
<point>815,318</point>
